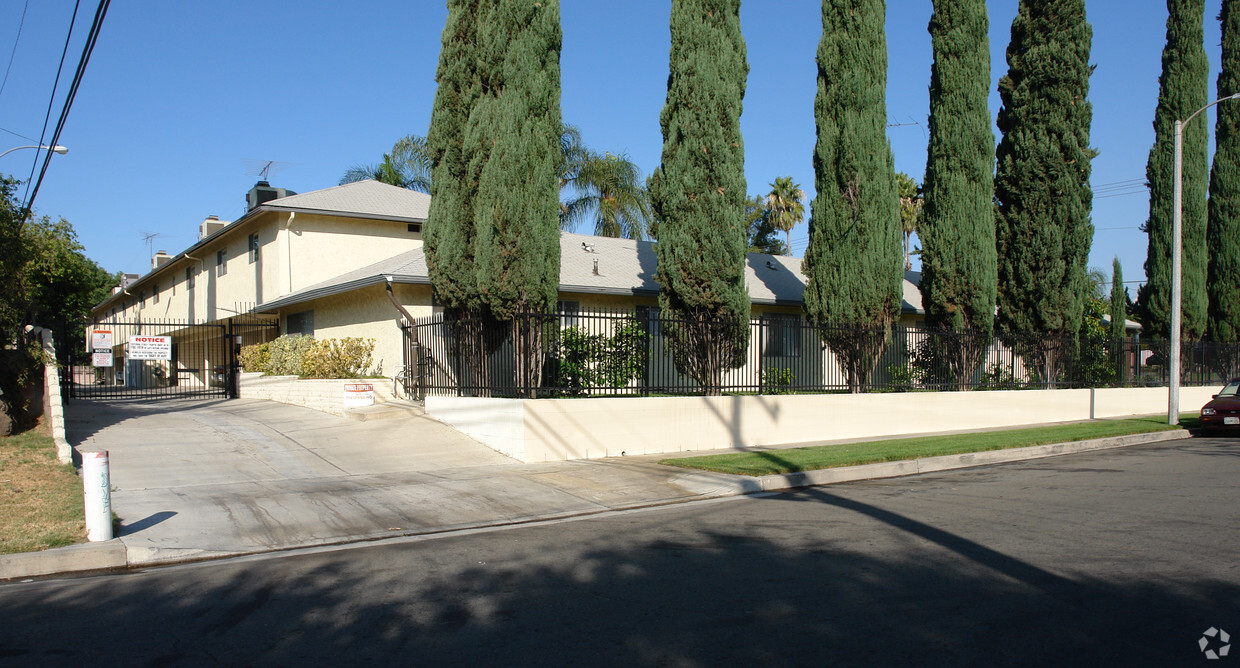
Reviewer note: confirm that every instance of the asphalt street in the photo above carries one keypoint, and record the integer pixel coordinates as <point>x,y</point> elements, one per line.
<point>1119,557</point>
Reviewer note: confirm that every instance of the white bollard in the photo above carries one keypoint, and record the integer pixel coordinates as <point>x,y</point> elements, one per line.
<point>98,487</point>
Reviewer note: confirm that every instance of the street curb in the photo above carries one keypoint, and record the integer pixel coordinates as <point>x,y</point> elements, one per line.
<point>106,555</point>
<point>771,483</point>
<point>114,555</point>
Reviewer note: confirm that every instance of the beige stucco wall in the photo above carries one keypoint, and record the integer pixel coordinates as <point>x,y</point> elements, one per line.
<point>559,429</point>
<point>368,313</point>
<point>310,250</point>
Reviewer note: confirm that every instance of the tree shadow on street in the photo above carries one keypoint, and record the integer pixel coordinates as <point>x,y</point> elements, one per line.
<point>699,590</point>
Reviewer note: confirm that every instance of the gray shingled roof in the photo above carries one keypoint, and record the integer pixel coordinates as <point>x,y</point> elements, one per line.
<point>625,267</point>
<point>365,199</point>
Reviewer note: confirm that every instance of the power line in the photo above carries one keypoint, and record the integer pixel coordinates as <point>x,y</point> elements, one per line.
<point>16,134</point>
<point>13,53</point>
<point>91,38</point>
<point>52,102</point>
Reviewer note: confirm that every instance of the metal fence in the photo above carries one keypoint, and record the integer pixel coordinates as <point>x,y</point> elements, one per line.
<point>646,354</point>
<point>155,358</point>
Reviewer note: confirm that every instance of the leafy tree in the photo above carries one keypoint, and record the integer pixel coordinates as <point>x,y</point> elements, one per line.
<point>407,166</point>
<point>62,284</point>
<point>853,260</point>
<point>12,262</point>
<point>912,204</point>
<point>762,235</point>
<point>1043,228</point>
<point>698,191</point>
<point>1223,223</point>
<point>1183,89</point>
<point>785,206</point>
<point>611,188</point>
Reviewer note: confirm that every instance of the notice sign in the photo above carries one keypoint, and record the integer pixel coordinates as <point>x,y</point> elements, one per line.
<point>150,348</point>
<point>100,340</point>
<point>359,394</point>
<point>102,358</point>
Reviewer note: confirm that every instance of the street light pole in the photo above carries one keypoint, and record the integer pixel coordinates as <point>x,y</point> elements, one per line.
<point>1173,366</point>
<point>55,149</point>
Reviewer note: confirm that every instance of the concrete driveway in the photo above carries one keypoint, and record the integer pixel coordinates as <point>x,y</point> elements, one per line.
<point>195,477</point>
<point>206,478</point>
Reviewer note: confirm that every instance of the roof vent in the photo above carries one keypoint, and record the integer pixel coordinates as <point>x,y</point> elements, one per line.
<point>262,192</point>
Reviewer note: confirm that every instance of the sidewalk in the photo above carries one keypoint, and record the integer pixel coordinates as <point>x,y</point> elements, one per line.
<point>198,479</point>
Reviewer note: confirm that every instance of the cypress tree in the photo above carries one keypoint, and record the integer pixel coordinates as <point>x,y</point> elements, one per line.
<point>516,210</point>
<point>517,206</point>
<point>698,191</point>
<point>456,164</point>
<point>1183,89</point>
<point>1223,226</point>
<point>957,228</point>
<point>854,264</point>
<point>1042,226</point>
<point>1119,302</point>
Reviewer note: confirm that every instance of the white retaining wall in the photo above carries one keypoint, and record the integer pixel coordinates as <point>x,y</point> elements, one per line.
<point>325,395</point>
<point>540,430</point>
<point>53,404</point>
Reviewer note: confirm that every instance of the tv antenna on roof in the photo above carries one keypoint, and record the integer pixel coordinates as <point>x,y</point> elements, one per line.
<point>263,169</point>
<point>149,238</point>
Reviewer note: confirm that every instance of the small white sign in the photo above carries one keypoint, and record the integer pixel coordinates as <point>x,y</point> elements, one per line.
<point>150,348</point>
<point>359,394</point>
<point>101,358</point>
<point>100,339</point>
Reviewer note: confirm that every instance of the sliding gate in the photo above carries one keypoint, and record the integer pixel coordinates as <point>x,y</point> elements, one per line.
<point>157,359</point>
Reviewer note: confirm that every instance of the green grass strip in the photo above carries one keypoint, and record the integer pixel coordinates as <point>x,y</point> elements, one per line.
<point>771,462</point>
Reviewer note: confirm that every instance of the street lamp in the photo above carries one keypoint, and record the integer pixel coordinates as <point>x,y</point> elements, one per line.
<point>55,149</point>
<point>1173,371</point>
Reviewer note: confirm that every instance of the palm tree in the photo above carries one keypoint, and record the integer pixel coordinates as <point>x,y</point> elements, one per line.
<point>407,166</point>
<point>911,201</point>
<point>610,187</point>
<point>786,205</point>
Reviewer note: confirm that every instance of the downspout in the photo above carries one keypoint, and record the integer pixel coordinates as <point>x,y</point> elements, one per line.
<point>288,248</point>
<point>388,286</point>
<point>193,293</point>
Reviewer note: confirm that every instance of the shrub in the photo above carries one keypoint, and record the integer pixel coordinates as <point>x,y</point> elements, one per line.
<point>777,381</point>
<point>287,353</point>
<point>256,357</point>
<point>597,360</point>
<point>349,357</point>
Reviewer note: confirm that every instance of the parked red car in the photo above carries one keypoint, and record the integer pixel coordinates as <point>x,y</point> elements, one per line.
<point>1224,410</point>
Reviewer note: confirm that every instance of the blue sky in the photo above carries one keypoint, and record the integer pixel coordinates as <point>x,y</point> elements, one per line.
<point>182,100</point>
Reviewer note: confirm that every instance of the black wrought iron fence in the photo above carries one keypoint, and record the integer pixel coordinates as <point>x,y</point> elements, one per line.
<point>601,353</point>
<point>155,358</point>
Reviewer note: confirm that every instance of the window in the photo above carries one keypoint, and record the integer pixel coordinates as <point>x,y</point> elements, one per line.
<point>189,278</point>
<point>783,335</point>
<point>415,227</point>
<point>221,262</point>
<point>568,311</point>
<point>252,244</point>
<point>142,300</point>
<point>299,324</point>
<point>155,294</point>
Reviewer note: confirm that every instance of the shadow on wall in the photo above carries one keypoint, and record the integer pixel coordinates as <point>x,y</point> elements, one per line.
<point>699,591</point>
